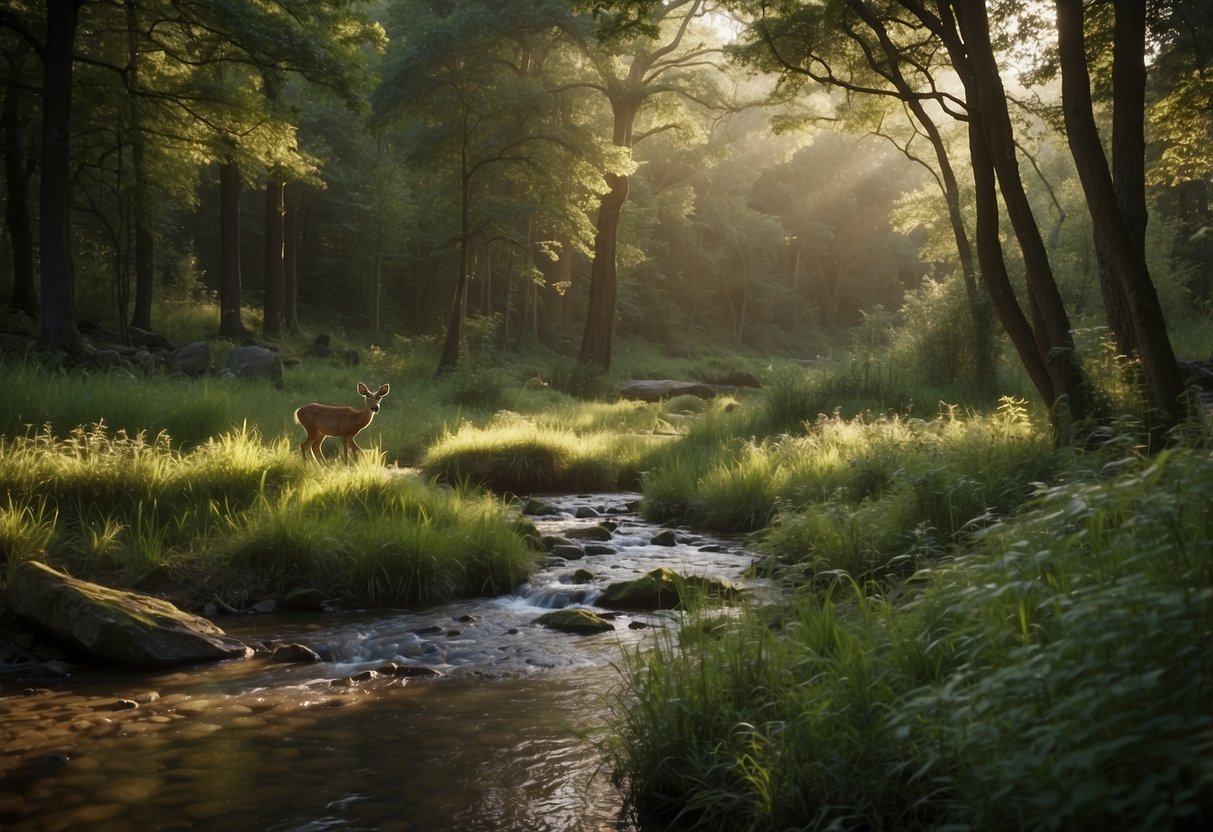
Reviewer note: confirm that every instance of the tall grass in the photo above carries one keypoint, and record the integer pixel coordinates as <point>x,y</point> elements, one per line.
<point>1053,674</point>
<point>867,496</point>
<point>246,519</point>
<point>521,455</point>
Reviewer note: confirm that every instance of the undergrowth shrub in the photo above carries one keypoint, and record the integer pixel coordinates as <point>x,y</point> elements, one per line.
<point>477,385</point>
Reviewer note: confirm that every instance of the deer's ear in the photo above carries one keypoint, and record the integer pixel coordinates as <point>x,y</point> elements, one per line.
<point>362,391</point>
<point>383,391</point>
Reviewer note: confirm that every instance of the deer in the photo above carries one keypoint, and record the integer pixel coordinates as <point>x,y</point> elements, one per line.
<point>324,420</point>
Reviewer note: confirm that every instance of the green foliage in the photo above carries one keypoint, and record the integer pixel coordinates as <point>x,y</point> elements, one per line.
<point>1054,675</point>
<point>936,336</point>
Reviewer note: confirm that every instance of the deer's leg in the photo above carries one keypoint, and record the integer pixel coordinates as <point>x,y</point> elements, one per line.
<point>318,447</point>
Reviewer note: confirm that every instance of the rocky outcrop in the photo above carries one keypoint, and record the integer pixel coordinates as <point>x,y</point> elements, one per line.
<point>664,589</point>
<point>125,628</point>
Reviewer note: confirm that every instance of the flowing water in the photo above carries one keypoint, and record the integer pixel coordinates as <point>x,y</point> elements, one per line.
<point>508,737</point>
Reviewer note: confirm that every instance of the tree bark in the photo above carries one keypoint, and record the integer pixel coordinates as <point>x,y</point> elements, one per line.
<point>994,267</point>
<point>144,240</point>
<point>17,172</point>
<point>54,230</point>
<point>454,328</point>
<point>274,299</point>
<point>600,315</point>
<point>230,324</point>
<point>290,262</point>
<point>1113,229</point>
<point>987,97</point>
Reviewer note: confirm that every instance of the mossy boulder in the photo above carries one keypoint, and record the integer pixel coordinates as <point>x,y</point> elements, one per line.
<point>664,537</point>
<point>576,621</point>
<point>113,625</point>
<point>665,589</point>
<point>599,532</point>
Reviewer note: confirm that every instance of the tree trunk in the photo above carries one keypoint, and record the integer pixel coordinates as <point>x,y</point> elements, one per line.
<point>54,230</point>
<point>1113,230</point>
<point>985,95</point>
<point>274,300</point>
<point>994,267</point>
<point>454,327</point>
<point>600,316</point>
<point>17,172</point>
<point>144,241</point>
<point>290,267</point>
<point>230,324</point>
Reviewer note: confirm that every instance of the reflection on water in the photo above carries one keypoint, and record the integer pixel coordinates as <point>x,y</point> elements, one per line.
<point>508,739</point>
<point>459,754</point>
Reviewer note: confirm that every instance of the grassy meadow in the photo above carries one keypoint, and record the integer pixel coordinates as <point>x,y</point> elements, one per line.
<point>981,628</point>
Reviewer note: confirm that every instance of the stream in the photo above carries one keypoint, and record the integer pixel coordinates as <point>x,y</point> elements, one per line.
<point>508,737</point>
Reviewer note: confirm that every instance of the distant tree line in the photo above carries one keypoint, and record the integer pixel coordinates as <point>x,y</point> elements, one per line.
<point>561,170</point>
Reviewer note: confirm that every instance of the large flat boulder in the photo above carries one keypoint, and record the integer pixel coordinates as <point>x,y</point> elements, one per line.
<point>112,625</point>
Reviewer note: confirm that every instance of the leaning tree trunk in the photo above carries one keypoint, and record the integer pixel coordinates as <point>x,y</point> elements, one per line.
<point>17,173</point>
<point>979,308</point>
<point>994,267</point>
<point>986,95</point>
<point>1111,228</point>
<point>274,299</point>
<point>54,232</point>
<point>230,325</point>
